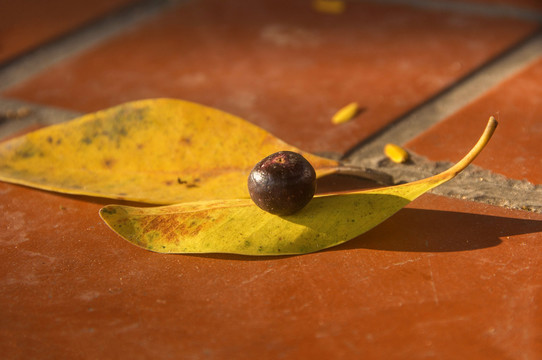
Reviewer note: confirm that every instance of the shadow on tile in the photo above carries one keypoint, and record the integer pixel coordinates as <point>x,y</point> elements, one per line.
<point>420,230</point>
<point>340,182</point>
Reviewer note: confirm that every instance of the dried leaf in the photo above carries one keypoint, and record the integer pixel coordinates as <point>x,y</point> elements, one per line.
<point>159,151</point>
<point>240,227</point>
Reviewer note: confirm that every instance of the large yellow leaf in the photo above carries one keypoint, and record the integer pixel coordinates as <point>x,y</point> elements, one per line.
<point>240,227</point>
<point>159,151</point>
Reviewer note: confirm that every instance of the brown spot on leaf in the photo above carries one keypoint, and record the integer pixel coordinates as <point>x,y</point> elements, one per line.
<point>86,140</point>
<point>28,150</point>
<point>189,230</point>
<point>173,229</point>
<point>50,140</point>
<point>186,140</point>
<point>188,184</point>
<point>109,163</point>
<point>165,226</point>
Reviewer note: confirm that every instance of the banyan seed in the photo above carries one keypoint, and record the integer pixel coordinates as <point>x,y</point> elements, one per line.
<point>282,183</point>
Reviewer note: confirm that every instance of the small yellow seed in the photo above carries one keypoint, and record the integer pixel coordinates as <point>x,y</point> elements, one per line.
<point>346,113</point>
<point>396,153</point>
<point>329,6</point>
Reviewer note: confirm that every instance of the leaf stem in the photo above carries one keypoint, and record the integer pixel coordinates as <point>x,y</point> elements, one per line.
<point>435,180</point>
<point>467,159</point>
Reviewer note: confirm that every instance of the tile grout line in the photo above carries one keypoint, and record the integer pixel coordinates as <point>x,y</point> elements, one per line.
<point>31,115</point>
<point>469,8</point>
<point>35,61</point>
<point>474,183</point>
<point>449,101</point>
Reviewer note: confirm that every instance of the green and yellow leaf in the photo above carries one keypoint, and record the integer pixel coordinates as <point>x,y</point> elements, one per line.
<point>159,151</point>
<point>238,226</point>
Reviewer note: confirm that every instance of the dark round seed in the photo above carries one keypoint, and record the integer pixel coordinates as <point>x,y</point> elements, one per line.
<point>282,183</point>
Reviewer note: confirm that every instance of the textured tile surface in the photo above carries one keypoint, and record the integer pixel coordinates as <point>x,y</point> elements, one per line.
<point>283,66</point>
<point>26,24</point>
<point>443,278</point>
<point>515,150</point>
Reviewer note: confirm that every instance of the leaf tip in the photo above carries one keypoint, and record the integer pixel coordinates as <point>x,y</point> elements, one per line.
<point>107,211</point>
<point>492,122</point>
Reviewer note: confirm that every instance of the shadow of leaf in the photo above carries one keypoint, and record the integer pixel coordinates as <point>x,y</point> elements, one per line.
<point>420,230</point>
<point>341,182</point>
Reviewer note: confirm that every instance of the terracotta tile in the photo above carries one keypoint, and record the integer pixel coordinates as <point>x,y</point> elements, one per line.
<point>26,24</point>
<point>442,278</point>
<point>515,149</point>
<point>282,65</point>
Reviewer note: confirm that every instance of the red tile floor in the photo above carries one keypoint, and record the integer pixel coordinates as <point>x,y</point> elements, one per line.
<point>444,278</point>
<point>28,23</point>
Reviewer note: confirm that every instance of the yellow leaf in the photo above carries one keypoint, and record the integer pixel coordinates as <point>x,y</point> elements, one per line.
<point>159,151</point>
<point>240,227</point>
<point>396,153</point>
